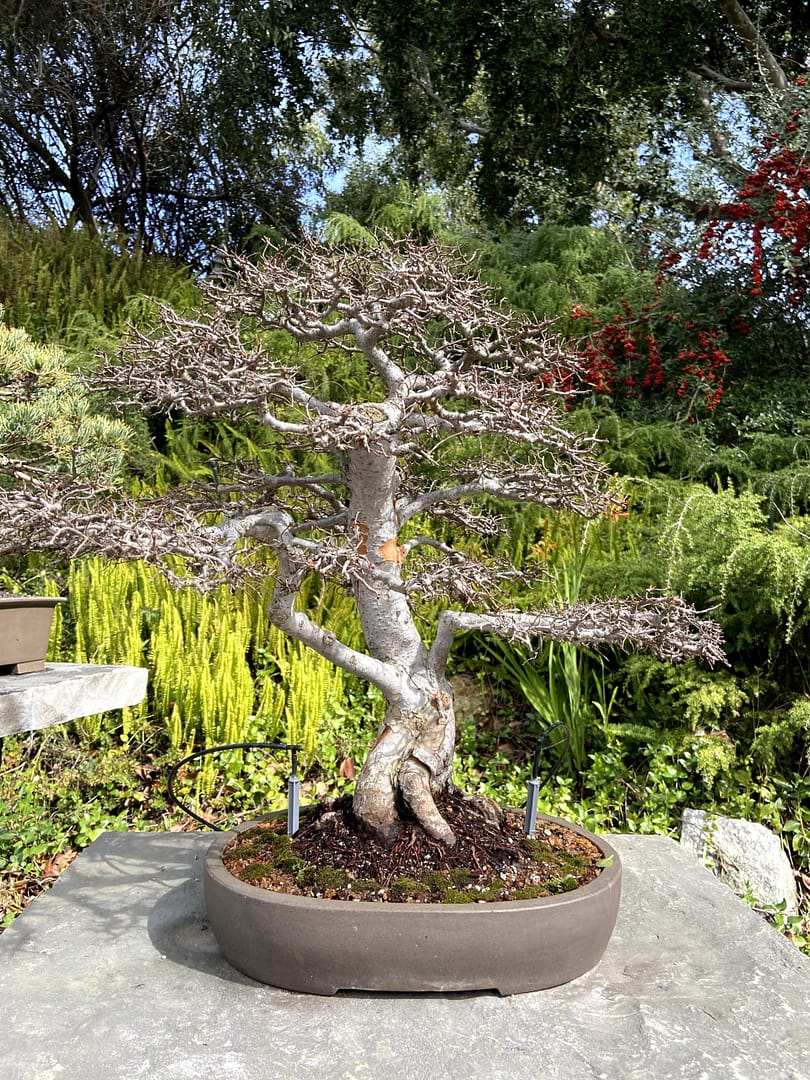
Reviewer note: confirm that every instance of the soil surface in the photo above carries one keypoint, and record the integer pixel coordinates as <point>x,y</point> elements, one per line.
<point>493,859</point>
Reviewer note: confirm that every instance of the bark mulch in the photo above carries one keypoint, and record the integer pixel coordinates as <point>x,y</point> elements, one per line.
<point>330,857</point>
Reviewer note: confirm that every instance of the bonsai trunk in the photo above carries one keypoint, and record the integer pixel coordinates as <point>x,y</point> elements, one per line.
<point>409,763</point>
<point>411,760</point>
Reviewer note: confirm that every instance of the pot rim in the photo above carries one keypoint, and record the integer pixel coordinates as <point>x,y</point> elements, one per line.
<point>608,879</point>
<point>12,600</point>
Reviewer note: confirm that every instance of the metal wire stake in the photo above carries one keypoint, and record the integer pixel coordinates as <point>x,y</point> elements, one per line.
<point>293,784</point>
<point>535,783</point>
<point>531,807</point>
<point>293,796</point>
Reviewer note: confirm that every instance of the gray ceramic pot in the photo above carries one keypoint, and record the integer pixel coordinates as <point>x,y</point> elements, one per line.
<point>322,946</point>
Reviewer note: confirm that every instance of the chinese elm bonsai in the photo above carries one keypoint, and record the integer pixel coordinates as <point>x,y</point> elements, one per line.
<point>465,409</point>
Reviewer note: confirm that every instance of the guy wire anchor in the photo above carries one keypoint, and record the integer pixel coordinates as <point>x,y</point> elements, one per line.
<point>293,794</point>
<point>293,784</point>
<point>535,784</point>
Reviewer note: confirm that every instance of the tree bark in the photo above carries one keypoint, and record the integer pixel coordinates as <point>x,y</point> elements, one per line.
<point>411,759</point>
<point>409,763</point>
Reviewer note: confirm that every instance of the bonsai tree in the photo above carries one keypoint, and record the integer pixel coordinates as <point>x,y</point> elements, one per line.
<point>465,408</point>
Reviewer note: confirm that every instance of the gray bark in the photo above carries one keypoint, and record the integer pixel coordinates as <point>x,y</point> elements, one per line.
<point>412,756</point>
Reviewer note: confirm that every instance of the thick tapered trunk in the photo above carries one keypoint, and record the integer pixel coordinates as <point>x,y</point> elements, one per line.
<point>410,761</point>
<point>408,765</point>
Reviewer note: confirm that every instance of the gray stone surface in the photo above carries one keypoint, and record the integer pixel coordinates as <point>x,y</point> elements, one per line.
<point>113,975</point>
<point>745,855</point>
<point>64,692</point>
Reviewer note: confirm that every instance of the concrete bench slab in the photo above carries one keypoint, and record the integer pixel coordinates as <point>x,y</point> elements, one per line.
<point>114,975</point>
<point>64,692</point>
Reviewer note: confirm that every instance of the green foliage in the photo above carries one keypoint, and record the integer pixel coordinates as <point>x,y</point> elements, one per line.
<point>56,798</point>
<point>715,754</point>
<point>218,672</point>
<point>368,205</point>
<point>238,84</point>
<point>641,449</point>
<point>561,96</point>
<point>766,454</point>
<point>686,695</point>
<point>776,742</point>
<point>79,290</point>
<point>557,684</point>
<point>47,418</point>
<point>550,270</point>
<point>720,550</point>
<point>796,928</point>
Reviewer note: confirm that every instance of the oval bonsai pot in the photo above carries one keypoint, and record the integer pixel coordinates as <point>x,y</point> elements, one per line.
<point>322,946</point>
<point>25,627</point>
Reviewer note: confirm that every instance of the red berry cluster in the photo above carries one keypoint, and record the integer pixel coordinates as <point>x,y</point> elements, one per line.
<point>650,351</point>
<point>775,200</point>
<point>658,351</point>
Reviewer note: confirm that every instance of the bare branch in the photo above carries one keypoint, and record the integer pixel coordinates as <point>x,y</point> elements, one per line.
<point>665,626</point>
<point>71,521</point>
<point>741,85</point>
<point>732,171</point>
<point>298,625</point>
<point>559,488</point>
<point>755,45</point>
<point>422,77</point>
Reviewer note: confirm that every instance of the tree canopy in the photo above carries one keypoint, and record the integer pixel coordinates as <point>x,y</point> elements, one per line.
<point>186,124</point>
<point>543,105</point>
<point>177,123</point>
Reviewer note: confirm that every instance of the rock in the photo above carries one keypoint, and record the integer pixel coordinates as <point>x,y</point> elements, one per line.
<point>486,808</point>
<point>748,857</point>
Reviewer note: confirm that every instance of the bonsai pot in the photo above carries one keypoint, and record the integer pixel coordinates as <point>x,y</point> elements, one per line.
<point>25,627</point>
<point>321,946</point>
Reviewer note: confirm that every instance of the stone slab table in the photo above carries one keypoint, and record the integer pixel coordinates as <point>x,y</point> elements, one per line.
<point>64,692</point>
<point>114,975</point>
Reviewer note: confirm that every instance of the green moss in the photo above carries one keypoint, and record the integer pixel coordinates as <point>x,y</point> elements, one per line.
<point>456,896</point>
<point>406,886</point>
<point>540,852</point>
<point>257,832</point>
<point>528,892</point>
<point>436,882</point>
<point>306,878</point>
<point>492,892</point>
<point>289,864</point>
<point>365,886</point>
<point>556,860</point>
<point>573,862</point>
<point>460,875</point>
<point>280,843</point>
<point>245,851</point>
<point>255,872</point>
<point>562,884</point>
<point>332,878</point>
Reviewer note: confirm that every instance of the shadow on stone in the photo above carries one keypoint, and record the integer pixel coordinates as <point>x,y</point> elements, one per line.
<point>178,929</point>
